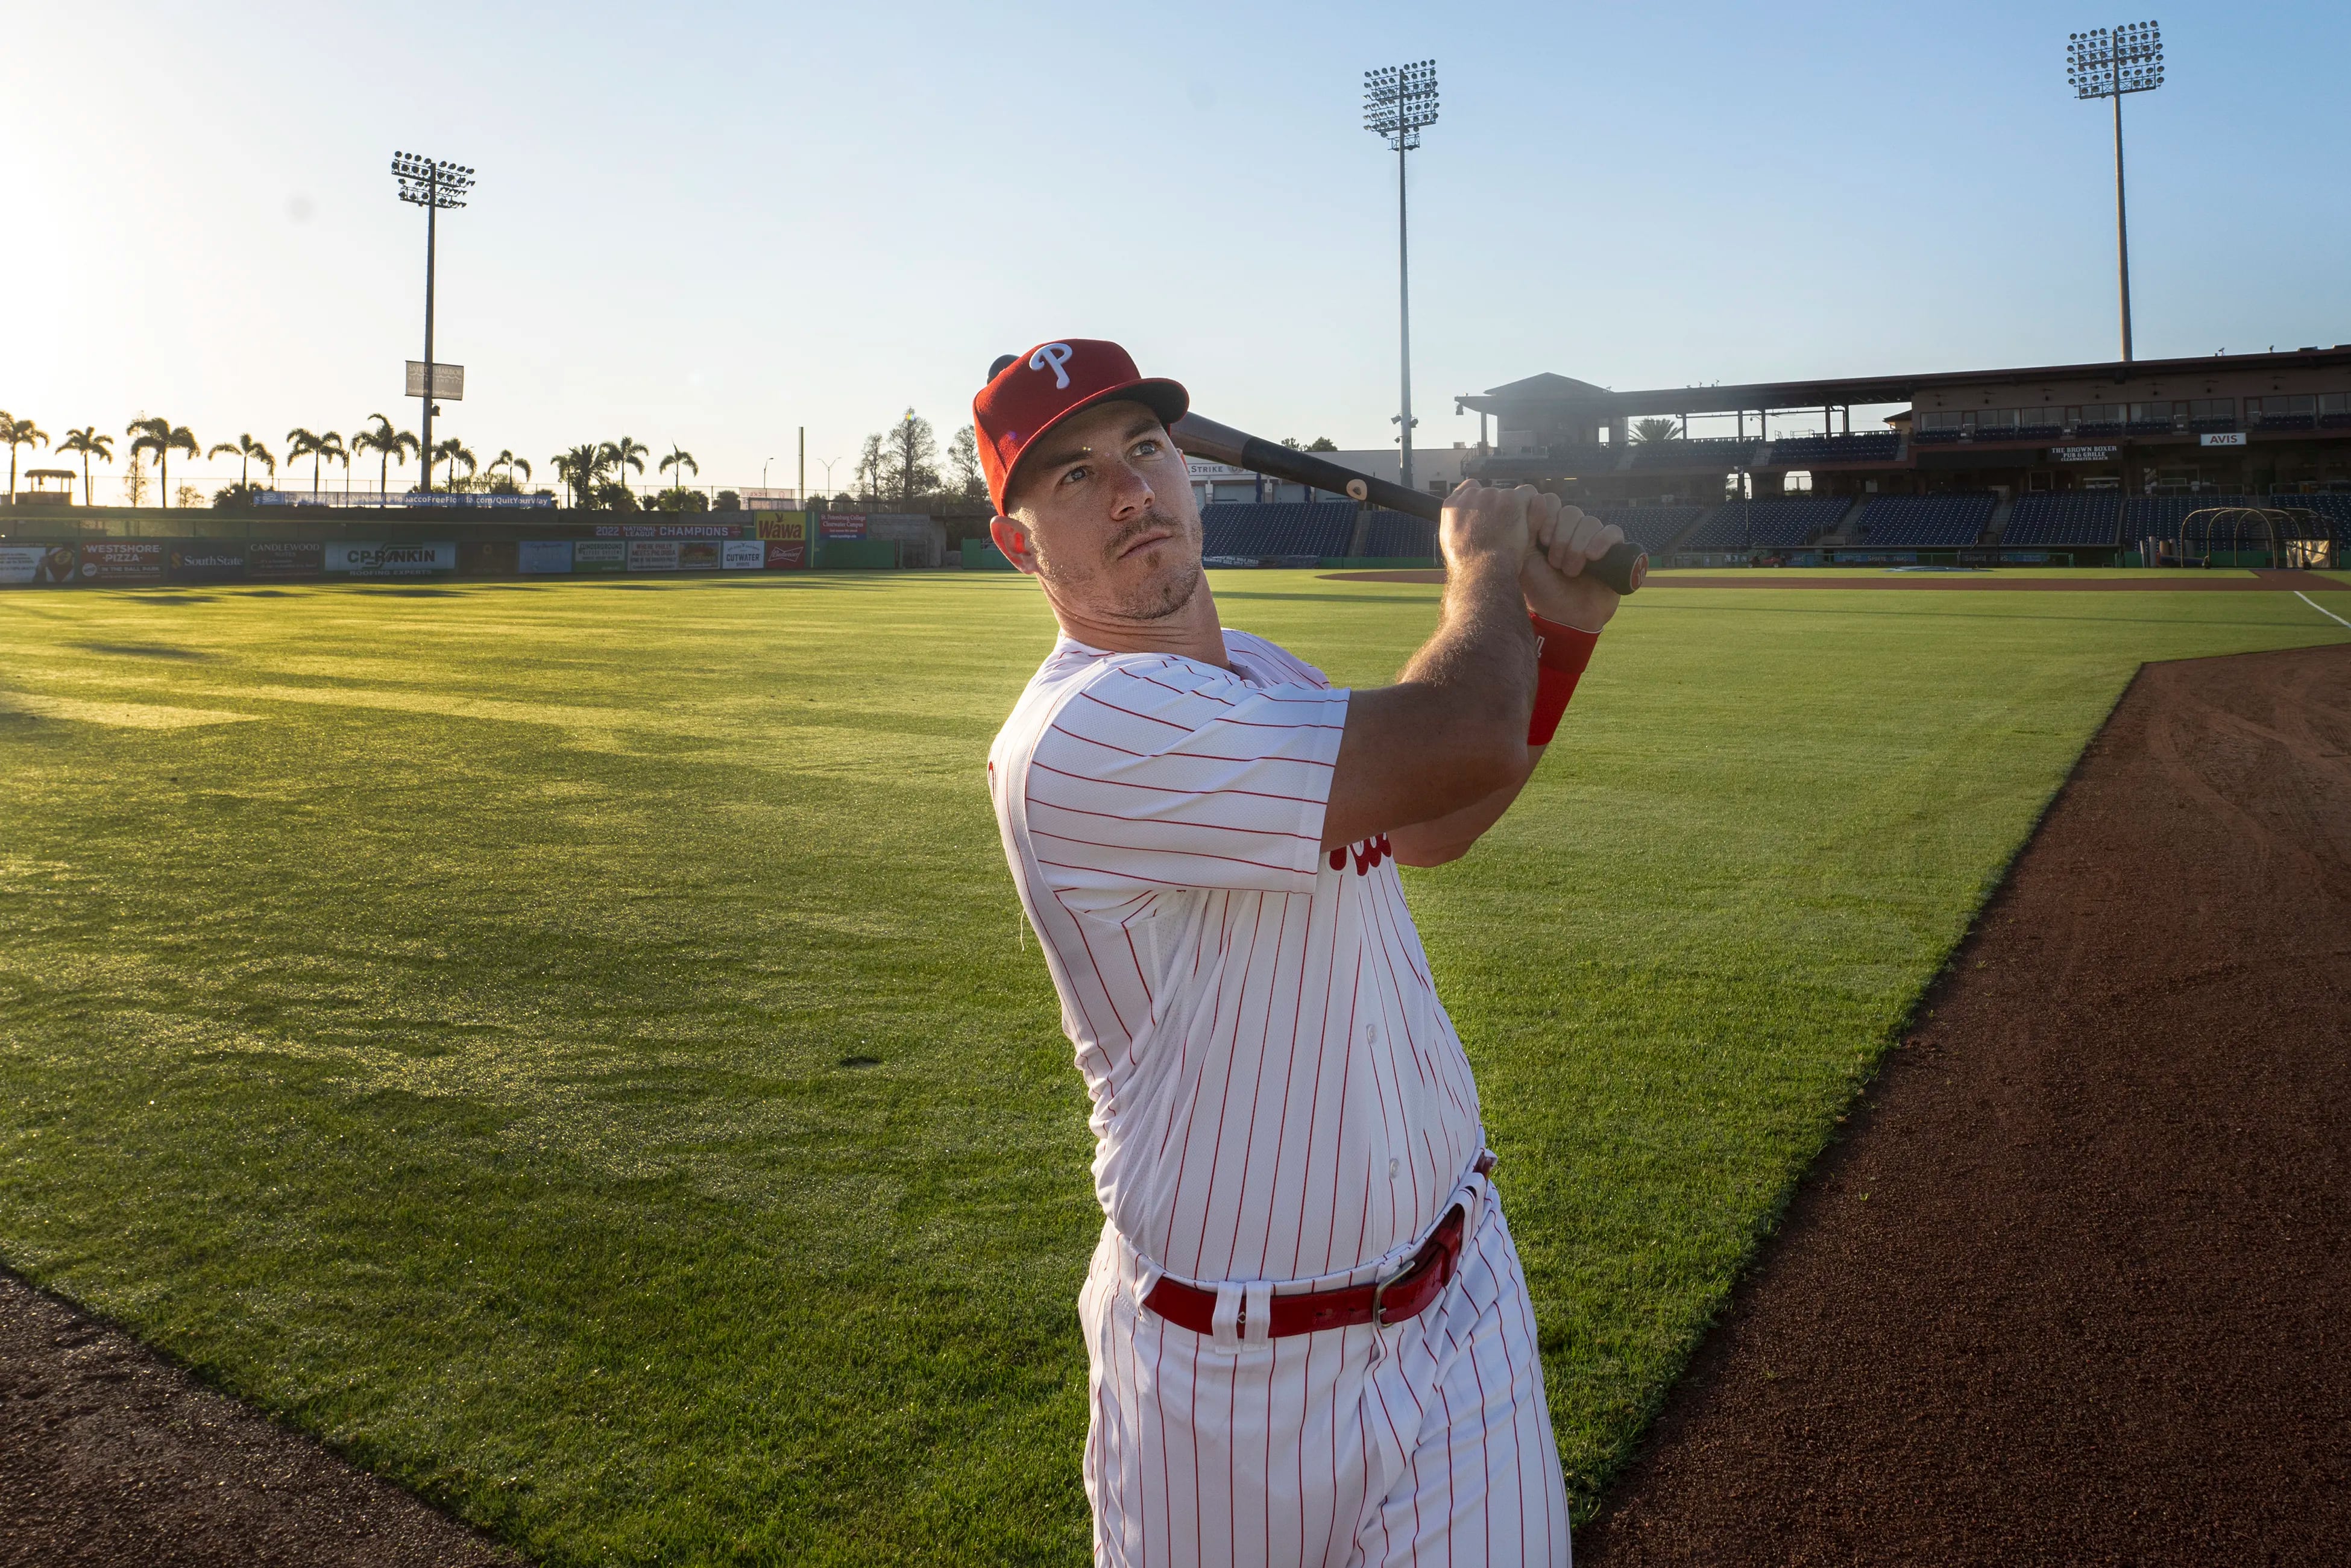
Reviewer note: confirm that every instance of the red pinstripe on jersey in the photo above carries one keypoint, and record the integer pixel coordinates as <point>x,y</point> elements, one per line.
<point>1277,1093</point>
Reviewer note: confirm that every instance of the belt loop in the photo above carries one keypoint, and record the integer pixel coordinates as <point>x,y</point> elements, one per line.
<point>1257,1320</point>
<point>1224,1326</point>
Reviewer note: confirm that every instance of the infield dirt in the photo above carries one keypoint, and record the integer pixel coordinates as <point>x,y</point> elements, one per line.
<point>2074,1287</point>
<point>110,1455</point>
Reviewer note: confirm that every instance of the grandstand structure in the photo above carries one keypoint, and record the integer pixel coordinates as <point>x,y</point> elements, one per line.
<point>2082,459</point>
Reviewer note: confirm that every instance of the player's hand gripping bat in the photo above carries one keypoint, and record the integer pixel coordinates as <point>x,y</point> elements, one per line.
<point>1622,568</point>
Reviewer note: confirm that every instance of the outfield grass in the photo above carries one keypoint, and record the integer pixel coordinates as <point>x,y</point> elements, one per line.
<point>426,1008</point>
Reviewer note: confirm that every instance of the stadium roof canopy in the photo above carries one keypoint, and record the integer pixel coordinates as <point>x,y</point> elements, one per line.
<point>1565,396</point>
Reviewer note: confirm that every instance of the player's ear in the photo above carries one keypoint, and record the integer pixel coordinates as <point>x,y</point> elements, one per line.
<point>1013,540</point>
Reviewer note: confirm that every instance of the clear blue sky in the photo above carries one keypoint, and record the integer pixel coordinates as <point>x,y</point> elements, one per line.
<point>714,224</point>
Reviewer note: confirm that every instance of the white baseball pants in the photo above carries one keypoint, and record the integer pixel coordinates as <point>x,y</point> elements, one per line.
<point>1427,1442</point>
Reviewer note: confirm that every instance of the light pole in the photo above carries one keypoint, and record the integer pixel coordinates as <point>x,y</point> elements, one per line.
<point>433,184</point>
<point>1399,100</point>
<point>2108,63</point>
<point>828,463</point>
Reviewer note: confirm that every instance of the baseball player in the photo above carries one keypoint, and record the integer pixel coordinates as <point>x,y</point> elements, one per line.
<point>1309,1337</point>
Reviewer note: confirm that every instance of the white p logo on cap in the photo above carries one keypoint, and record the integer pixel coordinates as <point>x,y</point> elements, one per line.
<point>1052,356</point>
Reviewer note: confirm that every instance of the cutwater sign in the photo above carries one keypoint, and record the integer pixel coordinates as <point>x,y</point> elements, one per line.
<point>372,560</point>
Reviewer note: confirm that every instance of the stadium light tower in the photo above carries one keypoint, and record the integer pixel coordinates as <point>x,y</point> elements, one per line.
<point>2108,63</point>
<point>1399,100</point>
<point>432,184</point>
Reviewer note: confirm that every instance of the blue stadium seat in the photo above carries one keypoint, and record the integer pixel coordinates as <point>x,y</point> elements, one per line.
<point>1253,530</point>
<point>1719,456</point>
<point>2160,516</point>
<point>2084,519</point>
<point>1925,522</point>
<point>1398,535</point>
<point>1766,524</point>
<point>1870,446</point>
<point>1651,528</point>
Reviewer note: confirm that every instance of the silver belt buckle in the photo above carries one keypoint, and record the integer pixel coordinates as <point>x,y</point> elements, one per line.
<point>1379,1297</point>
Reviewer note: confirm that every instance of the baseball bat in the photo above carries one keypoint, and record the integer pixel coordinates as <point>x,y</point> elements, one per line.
<point>1622,568</point>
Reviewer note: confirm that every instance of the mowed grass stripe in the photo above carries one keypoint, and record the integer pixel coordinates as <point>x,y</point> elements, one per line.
<point>459,1075</point>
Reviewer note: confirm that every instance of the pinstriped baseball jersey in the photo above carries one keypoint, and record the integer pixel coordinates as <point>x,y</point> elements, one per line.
<point>1277,1093</point>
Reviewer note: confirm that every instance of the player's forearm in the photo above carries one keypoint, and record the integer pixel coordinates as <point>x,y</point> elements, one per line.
<point>1477,673</point>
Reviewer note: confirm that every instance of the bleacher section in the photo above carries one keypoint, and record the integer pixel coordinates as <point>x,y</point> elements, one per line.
<point>1720,455</point>
<point>1743,524</point>
<point>1872,446</point>
<point>2334,508</point>
<point>1925,522</point>
<point>2160,516</point>
<point>2083,521</point>
<point>1252,530</point>
<point>1651,528</point>
<point>1394,536</point>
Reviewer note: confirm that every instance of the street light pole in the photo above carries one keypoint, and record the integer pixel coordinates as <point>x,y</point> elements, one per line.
<point>433,184</point>
<point>1399,102</point>
<point>2108,63</point>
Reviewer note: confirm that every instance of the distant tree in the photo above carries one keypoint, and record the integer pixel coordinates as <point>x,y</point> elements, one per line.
<point>89,443</point>
<point>389,446</point>
<point>317,447</point>
<point>163,438</point>
<point>134,482</point>
<point>872,458</point>
<point>623,455</point>
<point>235,497</point>
<point>191,495</point>
<point>727,501</point>
<point>579,468</point>
<point>1322,444</point>
<point>679,464</point>
<point>613,495</point>
<point>504,465</point>
<point>452,452</point>
<point>963,456</point>
<point>246,450</point>
<point>913,452</point>
<point>19,432</point>
<point>1645,431</point>
<point>678,498</point>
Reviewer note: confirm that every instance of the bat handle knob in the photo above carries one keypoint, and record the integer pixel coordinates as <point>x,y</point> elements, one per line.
<point>1358,491</point>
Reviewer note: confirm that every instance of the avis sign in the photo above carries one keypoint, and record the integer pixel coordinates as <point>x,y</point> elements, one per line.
<point>2221,438</point>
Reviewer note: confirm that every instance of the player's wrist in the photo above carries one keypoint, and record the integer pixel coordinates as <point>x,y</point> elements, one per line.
<point>1562,652</point>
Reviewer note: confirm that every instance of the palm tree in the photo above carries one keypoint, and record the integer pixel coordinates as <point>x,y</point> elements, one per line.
<point>581,468</point>
<point>318,448</point>
<point>510,461</point>
<point>389,444</point>
<point>1645,431</point>
<point>20,433</point>
<point>246,449</point>
<point>163,438</point>
<point>88,441</point>
<point>683,462</point>
<point>623,455</point>
<point>452,452</point>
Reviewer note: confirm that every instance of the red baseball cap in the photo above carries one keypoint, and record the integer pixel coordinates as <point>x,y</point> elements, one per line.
<point>1032,393</point>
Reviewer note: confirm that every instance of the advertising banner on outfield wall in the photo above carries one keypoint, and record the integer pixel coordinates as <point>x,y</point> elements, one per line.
<point>373,558</point>
<point>698,555</point>
<point>487,557</point>
<point>791,528</point>
<point>743,555</point>
<point>283,561</point>
<point>782,556</point>
<point>598,555</point>
<point>121,560</point>
<point>653,555</point>
<point>37,563</point>
<point>205,560</point>
<point>543,558</point>
<point>842,525</point>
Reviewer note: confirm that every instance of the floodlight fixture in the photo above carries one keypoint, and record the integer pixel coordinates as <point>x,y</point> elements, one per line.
<point>1399,102</point>
<point>2112,62</point>
<point>435,185</point>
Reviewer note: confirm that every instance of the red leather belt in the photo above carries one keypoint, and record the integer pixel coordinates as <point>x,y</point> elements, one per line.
<point>1403,1295</point>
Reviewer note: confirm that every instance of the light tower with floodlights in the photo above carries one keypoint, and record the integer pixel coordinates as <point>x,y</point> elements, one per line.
<point>1399,100</point>
<point>2108,63</point>
<point>433,184</point>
